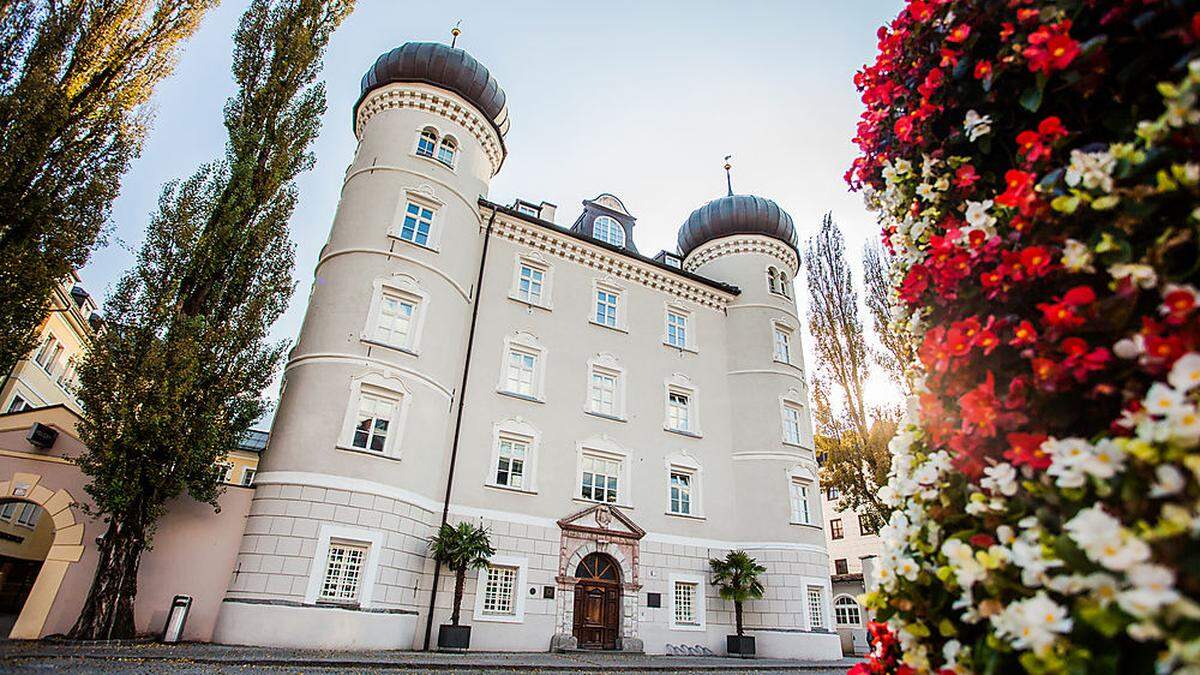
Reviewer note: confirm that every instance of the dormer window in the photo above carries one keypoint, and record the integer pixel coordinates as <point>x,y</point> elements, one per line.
<point>427,142</point>
<point>608,230</point>
<point>447,151</point>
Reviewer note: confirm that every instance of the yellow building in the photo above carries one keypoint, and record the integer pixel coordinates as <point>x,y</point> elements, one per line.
<point>47,375</point>
<point>242,463</point>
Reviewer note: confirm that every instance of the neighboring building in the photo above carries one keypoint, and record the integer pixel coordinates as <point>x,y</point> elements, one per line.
<point>852,538</point>
<point>615,420</point>
<point>242,463</point>
<point>47,375</point>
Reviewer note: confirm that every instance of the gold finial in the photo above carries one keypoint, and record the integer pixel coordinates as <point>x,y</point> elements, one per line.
<point>728,176</point>
<point>455,32</point>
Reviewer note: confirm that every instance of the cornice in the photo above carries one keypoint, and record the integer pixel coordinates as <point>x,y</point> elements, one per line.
<point>400,95</point>
<point>575,250</point>
<point>742,243</point>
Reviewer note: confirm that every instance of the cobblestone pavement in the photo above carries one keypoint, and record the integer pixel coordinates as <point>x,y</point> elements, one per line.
<point>137,657</point>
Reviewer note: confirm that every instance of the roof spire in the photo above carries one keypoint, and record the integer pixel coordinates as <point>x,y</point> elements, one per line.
<point>455,32</point>
<point>728,177</point>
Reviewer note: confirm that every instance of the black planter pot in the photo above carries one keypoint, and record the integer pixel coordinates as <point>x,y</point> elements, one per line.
<point>740,645</point>
<point>454,638</point>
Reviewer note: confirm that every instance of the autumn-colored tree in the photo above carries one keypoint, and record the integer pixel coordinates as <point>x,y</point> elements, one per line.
<point>176,379</point>
<point>75,80</point>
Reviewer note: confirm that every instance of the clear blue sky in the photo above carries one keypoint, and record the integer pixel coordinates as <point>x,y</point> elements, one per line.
<point>641,99</point>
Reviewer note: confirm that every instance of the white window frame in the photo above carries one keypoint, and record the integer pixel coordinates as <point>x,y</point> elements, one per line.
<point>689,327</point>
<point>615,226</point>
<point>700,609</point>
<point>423,198</point>
<point>529,345</point>
<point>788,331</point>
<point>520,591</point>
<point>28,516</point>
<point>820,604</point>
<point>407,289</point>
<point>534,261</point>
<point>45,355</point>
<point>681,385</point>
<point>803,476</point>
<point>787,409</point>
<point>455,150</point>
<point>248,474</point>
<point>357,536</point>
<point>437,136</point>
<point>606,364</point>
<point>519,430</point>
<point>377,383</point>
<point>682,462</point>
<point>837,619</point>
<point>800,501</point>
<point>602,447</point>
<point>608,285</point>
<point>8,511</point>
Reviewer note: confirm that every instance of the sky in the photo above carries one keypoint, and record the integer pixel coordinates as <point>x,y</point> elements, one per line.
<point>640,99</point>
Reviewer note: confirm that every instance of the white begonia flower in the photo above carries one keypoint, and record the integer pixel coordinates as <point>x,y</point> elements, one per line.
<point>1163,400</point>
<point>1105,459</point>
<point>1033,623</point>
<point>1139,275</point>
<point>1185,374</point>
<point>908,568</point>
<point>1077,257</point>
<point>1005,534</point>
<point>1104,540</point>
<point>977,125</point>
<point>1184,424</point>
<point>1001,479</point>
<point>1144,632</point>
<point>961,558</point>
<point>1091,169</point>
<point>950,652</point>
<point>1129,348</point>
<point>1103,587</point>
<point>1168,481</point>
<point>1028,557</point>
<point>903,166</point>
<point>925,191</point>
<point>978,218</point>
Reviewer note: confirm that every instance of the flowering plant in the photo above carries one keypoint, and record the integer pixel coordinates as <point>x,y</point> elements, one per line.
<point>1034,165</point>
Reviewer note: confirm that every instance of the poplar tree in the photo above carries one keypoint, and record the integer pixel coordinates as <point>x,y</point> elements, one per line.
<point>899,351</point>
<point>176,379</point>
<point>76,77</point>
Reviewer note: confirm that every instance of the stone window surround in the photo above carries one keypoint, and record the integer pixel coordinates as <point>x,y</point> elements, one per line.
<point>604,448</point>
<point>518,429</point>
<point>700,608</point>
<point>788,329</point>
<point>421,196</point>
<point>793,399</point>
<point>609,284</point>
<point>372,539</point>
<point>689,337</point>
<point>679,383</point>
<point>537,261</point>
<point>805,476</point>
<point>606,363</point>
<point>404,287</point>
<point>384,385</point>
<point>682,462</point>
<point>528,343</point>
<point>439,137</point>
<point>519,590</point>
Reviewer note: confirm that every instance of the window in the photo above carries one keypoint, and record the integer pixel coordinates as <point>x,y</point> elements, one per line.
<point>836,531</point>
<point>529,284</point>
<point>681,493</point>
<point>866,525</point>
<point>608,230</point>
<point>17,405</point>
<point>510,462</point>
<point>685,603</point>
<point>603,393</point>
<point>7,511</point>
<point>447,150</point>
<point>845,611</point>
<point>678,411</point>
<point>394,325</point>
<point>677,329</point>
<point>45,352</point>
<point>783,345</point>
<point>783,285</point>
<point>371,427</point>
<point>499,591</point>
<point>791,424</point>
<point>248,476</point>
<point>28,515</point>
<point>816,605</point>
<point>418,219</point>
<point>426,142</point>
<point>840,566</point>
<point>606,308</point>
<point>529,210</point>
<point>226,471</point>
<point>519,378</point>
<point>343,572</point>
<point>777,281</point>
<point>600,478</point>
<point>799,497</point>
<point>832,493</point>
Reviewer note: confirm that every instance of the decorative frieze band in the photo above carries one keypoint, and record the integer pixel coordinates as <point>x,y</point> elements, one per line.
<point>749,243</point>
<point>568,248</point>
<point>431,100</point>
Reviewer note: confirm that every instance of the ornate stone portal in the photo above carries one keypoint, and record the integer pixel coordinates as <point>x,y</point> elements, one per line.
<point>605,530</point>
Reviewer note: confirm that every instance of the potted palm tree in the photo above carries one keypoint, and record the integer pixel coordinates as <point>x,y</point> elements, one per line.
<point>462,548</point>
<point>736,579</point>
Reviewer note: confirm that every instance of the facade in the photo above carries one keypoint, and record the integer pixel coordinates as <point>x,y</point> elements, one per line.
<point>241,464</point>
<point>853,539</point>
<point>613,419</point>
<point>47,375</point>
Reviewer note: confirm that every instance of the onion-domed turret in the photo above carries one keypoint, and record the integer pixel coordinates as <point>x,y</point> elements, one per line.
<point>441,66</point>
<point>735,214</point>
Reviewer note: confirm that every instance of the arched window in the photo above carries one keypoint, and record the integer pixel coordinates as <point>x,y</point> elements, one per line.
<point>846,612</point>
<point>608,230</point>
<point>773,279</point>
<point>599,567</point>
<point>783,285</point>
<point>447,150</point>
<point>427,142</point>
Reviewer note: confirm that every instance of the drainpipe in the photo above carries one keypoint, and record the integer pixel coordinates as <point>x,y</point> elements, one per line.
<point>462,398</point>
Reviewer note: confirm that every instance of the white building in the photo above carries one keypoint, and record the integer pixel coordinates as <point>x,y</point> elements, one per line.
<point>614,420</point>
<point>852,538</point>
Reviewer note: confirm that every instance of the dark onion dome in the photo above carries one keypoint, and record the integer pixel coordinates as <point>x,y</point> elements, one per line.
<point>445,67</point>
<point>736,214</point>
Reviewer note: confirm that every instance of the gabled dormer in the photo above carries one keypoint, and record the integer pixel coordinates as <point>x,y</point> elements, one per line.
<point>606,219</point>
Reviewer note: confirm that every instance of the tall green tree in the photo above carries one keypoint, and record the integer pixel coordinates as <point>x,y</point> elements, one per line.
<point>176,378</point>
<point>75,80</point>
<point>899,353</point>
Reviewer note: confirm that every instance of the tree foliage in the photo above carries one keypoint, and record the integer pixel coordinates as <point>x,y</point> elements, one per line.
<point>462,548</point>
<point>75,80</point>
<point>736,577</point>
<point>899,354</point>
<point>175,380</point>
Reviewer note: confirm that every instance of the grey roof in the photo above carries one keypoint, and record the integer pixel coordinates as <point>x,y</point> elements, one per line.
<point>736,214</point>
<point>441,66</point>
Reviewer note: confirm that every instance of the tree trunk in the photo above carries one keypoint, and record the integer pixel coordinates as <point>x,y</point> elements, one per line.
<point>460,581</point>
<point>108,611</point>
<point>737,616</point>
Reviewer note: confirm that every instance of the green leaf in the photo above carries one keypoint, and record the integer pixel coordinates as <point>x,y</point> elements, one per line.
<point>1031,99</point>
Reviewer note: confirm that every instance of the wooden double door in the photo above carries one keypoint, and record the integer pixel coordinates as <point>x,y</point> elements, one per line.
<point>597,603</point>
